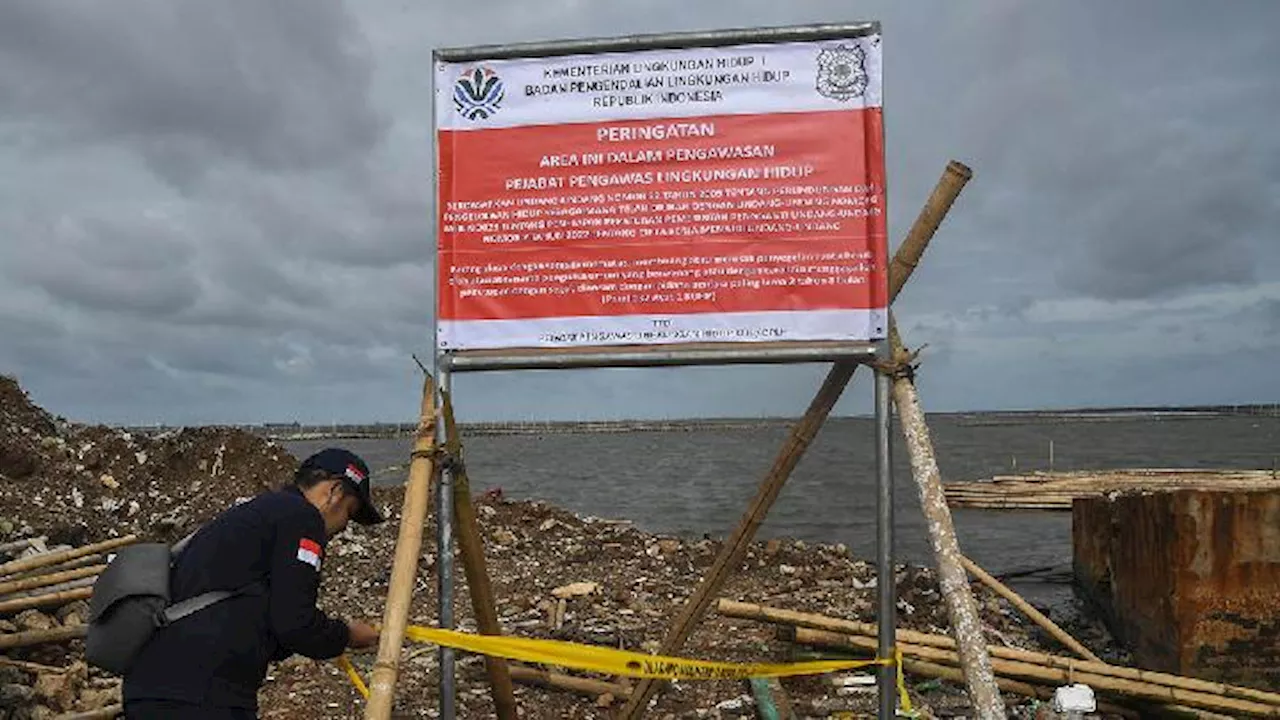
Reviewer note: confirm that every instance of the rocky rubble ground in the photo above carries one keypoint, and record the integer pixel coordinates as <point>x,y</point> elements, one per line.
<point>555,575</point>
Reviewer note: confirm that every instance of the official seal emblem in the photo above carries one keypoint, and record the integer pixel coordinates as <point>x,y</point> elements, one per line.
<point>842,72</point>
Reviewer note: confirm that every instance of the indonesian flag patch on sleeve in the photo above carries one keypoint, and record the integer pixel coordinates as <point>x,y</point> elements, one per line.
<point>309,552</point>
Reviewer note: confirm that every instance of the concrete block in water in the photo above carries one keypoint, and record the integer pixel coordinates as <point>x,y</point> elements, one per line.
<point>1188,580</point>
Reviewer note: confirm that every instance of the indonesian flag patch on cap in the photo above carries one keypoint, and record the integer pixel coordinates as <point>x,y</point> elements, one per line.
<point>309,552</point>
<point>354,474</point>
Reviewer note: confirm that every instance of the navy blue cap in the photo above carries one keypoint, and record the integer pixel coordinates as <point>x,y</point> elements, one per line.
<point>354,473</point>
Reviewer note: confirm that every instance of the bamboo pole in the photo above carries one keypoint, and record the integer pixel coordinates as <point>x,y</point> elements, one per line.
<point>405,566</point>
<point>56,598</point>
<point>40,637</point>
<point>837,626</point>
<point>1032,671</point>
<point>55,578</point>
<point>471,547</point>
<point>966,625</point>
<point>78,563</point>
<point>905,260</point>
<point>558,681</point>
<point>1017,687</point>
<point>59,587</point>
<point>1038,617</point>
<point>61,556</point>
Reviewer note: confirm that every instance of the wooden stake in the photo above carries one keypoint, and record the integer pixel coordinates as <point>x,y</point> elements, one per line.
<point>57,598</point>
<point>49,579</point>
<point>404,568</point>
<point>471,547</point>
<point>40,637</point>
<point>945,192</point>
<point>61,556</point>
<point>1038,617</point>
<point>966,625</point>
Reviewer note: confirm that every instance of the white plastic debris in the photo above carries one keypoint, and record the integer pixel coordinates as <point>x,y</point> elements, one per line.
<point>1074,699</point>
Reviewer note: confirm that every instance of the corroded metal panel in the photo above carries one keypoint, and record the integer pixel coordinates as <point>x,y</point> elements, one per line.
<point>1189,580</point>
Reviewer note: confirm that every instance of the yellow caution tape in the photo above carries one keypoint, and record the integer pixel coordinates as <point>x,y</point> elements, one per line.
<point>344,663</point>
<point>625,663</point>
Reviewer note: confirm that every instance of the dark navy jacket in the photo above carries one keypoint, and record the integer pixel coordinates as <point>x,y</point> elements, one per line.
<point>219,655</point>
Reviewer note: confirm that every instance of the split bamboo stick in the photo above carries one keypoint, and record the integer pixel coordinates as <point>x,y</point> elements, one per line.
<point>41,637</point>
<point>31,667</point>
<point>777,616</point>
<point>1038,617</point>
<point>54,558</point>
<point>404,567</point>
<point>962,608</point>
<point>1033,671</point>
<point>54,578</point>
<point>908,255</point>
<point>23,544</point>
<point>107,713</point>
<point>584,686</point>
<point>471,547</point>
<point>55,598</point>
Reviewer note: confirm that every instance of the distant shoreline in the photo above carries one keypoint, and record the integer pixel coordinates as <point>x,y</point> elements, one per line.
<point>298,431</point>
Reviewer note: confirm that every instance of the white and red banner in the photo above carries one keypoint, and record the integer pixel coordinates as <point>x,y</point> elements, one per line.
<point>663,196</point>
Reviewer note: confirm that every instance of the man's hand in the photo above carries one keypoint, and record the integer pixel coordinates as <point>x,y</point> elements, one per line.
<point>362,635</point>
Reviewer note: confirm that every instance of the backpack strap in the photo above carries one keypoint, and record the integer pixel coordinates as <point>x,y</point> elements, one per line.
<point>177,611</point>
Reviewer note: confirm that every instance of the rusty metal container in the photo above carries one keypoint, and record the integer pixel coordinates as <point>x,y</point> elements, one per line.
<point>1188,580</point>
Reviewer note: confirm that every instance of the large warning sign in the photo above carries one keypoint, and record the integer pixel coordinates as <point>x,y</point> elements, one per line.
<point>704,194</point>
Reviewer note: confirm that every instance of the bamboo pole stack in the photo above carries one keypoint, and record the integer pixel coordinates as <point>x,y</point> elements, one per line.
<point>1057,490</point>
<point>1022,671</point>
<point>48,580</point>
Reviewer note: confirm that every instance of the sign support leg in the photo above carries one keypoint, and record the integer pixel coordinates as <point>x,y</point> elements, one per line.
<point>886,585</point>
<point>444,572</point>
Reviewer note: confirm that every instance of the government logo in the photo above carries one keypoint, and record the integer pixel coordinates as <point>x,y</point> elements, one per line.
<point>478,93</point>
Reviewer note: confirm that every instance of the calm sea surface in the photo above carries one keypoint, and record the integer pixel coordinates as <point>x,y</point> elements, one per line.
<point>700,481</point>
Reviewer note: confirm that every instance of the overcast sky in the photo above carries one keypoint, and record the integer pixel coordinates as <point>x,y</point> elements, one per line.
<point>219,211</point>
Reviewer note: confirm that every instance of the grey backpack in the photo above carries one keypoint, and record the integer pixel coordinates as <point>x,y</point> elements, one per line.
<point>131,599</point>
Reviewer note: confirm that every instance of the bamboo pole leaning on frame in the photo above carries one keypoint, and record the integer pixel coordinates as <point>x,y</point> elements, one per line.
<point>472,549</point>
<point>945,192</point>
<point>966,625</point>
<point>405,566</point>
<point>1038,617</point>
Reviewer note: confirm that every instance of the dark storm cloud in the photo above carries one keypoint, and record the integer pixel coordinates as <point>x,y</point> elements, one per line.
<point>222,211</point>
<point>279,85</point>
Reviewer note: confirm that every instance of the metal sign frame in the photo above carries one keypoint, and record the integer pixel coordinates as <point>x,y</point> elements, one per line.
<point>448,362</point>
